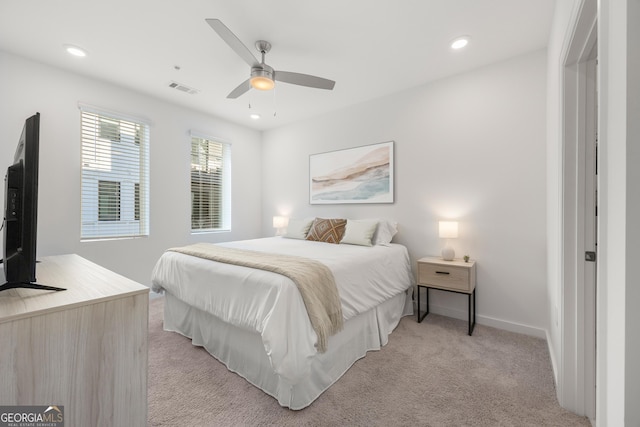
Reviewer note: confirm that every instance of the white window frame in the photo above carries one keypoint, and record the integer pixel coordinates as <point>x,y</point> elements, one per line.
<point>119,153</point>
<point>223,180</point>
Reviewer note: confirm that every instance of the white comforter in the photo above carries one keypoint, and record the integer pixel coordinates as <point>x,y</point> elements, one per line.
<point>271,305</point>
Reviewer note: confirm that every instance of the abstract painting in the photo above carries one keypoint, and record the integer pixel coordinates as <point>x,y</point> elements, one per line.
<point>355,175</point>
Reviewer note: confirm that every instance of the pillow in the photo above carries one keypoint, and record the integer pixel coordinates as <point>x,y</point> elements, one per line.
<point>385,232</point>
<point>298,228</point>
<point>327,230</point>
<point>359,232</point>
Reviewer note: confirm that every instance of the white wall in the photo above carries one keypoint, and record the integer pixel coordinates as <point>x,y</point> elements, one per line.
<point>618,290</point>
<point>632,246</point>
<point>27,87</point>
<point>470,147</point>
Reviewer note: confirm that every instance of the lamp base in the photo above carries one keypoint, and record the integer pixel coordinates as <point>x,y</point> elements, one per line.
<point>448,254</point>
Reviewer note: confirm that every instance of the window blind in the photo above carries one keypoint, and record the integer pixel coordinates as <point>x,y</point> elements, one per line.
<point>115,176</point>
<point>210,184</point>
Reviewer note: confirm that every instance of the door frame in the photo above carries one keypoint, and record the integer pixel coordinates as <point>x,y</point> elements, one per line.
<point>577,371</point>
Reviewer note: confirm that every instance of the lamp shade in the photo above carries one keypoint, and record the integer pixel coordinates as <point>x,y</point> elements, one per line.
<point>448,229</point>
<point>280,221</point>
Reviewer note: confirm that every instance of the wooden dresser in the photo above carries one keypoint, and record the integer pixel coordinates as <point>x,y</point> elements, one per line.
<point>84,348</point>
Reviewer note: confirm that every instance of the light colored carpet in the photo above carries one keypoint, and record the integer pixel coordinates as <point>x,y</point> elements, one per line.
<point>430,374</point>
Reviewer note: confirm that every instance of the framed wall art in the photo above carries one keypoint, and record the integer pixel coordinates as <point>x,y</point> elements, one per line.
<point>354,175</point>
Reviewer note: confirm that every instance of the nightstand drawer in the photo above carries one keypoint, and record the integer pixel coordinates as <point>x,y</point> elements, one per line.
<point>450,277</point>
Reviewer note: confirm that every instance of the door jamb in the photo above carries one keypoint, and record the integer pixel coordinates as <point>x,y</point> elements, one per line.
<point>573,366</point>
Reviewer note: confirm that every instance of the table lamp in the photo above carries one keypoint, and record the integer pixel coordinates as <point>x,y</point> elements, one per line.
<point>280,224</point>
<point>448,230</point>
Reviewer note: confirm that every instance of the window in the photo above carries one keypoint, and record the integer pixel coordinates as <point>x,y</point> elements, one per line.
<point>109,129</point>
<point>115,175</point>
<point>210,185</point>
<point>136,208</point>
<point>108,201</point>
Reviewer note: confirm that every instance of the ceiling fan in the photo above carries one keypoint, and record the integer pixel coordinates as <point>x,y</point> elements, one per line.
<point>263,77</point>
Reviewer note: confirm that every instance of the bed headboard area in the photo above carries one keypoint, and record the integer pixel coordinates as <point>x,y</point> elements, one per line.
<point>363,232</point>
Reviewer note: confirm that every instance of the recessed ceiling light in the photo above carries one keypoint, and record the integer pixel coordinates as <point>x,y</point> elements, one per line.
<point>255,116</point>
<point>460,42</point>
<point>75,51</point>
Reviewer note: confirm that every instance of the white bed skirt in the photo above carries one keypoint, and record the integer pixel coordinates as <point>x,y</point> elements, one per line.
<point>242,351</point>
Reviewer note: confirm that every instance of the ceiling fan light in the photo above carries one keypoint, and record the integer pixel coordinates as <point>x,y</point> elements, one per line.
<point>262,78</point>
<point>262,83</point>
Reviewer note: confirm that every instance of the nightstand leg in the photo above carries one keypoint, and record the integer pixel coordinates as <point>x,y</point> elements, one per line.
<point>472,325</point>
<point>420,318</point>
<point>418,309</point>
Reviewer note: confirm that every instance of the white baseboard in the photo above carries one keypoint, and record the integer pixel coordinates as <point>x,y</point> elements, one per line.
<point>490,321</point>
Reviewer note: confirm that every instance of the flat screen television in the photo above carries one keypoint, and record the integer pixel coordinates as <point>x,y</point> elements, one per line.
<point>21,212</point>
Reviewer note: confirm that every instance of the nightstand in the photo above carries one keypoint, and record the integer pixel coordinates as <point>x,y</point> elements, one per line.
<point>451,276</point>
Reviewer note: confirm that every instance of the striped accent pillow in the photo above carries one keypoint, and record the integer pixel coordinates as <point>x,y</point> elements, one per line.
<point>327,230</point>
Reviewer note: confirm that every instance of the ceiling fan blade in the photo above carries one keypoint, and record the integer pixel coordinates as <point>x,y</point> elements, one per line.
<point>233,41</point>
<point>242,88</point>
<point>304,80</point>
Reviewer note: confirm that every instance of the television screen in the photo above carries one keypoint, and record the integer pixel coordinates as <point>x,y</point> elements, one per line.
<point>21,211</point>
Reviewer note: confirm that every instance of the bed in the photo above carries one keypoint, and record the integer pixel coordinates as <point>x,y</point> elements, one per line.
<point>256,323</point>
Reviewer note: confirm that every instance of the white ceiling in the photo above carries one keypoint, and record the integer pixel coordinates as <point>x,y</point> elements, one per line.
<point>371,48</point>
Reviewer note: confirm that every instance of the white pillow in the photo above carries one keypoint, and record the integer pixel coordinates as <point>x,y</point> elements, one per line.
<point>298,228</point>
<point>385,232</point>
<point>359,232</point>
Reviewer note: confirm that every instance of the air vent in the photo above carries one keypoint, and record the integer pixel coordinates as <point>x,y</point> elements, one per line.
<point>183,88</point>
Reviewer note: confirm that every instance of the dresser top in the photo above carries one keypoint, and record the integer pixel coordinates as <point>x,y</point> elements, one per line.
<point>85,283</point>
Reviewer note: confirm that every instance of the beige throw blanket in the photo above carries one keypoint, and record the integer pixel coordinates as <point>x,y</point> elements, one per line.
<point>314,280</point>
